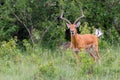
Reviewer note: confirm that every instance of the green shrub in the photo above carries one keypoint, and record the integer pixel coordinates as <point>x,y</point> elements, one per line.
<point>86,63</point>
<point>9,48</point>
<point>27,46</point>
<point>47,70</point>
<point>85,29</point>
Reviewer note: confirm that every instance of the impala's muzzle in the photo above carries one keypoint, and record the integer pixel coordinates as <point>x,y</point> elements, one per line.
<point>72,32</point>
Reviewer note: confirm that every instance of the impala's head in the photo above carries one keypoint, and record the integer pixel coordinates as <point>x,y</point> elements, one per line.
<point>73,26</point>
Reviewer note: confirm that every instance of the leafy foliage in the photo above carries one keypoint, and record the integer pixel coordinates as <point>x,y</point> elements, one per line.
<point>39,22</point>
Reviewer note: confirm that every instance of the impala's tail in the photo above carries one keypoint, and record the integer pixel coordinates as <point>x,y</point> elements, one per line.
<point>98,33</point>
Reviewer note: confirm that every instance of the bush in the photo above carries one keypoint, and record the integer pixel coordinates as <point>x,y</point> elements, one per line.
<point>86,63</point>
<point>9,48</point>
<point>47,70</point>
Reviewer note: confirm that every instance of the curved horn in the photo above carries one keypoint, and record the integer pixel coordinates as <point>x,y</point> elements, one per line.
<point>64,18</point>
<point>79,17</point>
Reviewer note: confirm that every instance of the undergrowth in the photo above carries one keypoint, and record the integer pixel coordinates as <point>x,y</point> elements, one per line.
<point>45,64</point>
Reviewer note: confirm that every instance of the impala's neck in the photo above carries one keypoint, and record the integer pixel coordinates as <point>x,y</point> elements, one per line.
<point>74,40</point>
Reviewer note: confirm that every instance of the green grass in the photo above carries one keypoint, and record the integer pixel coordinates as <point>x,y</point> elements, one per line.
<point>60,65</point>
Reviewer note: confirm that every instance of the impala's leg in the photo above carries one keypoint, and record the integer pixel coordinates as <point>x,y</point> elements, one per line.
<point>97,54</point>
<point>92,55</point>
<point>76,56</point>
<point>90,50</point>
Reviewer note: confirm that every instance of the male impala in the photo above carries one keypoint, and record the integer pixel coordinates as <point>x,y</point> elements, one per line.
<point>83,41</point>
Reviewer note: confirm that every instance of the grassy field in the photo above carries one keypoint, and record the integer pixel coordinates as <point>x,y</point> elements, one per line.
<point>58,65</point>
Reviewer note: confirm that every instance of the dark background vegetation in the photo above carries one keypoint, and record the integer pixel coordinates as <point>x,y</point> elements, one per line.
<point>38,20</point>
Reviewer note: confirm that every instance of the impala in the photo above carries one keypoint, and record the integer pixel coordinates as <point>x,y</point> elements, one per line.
<point>83,41</point>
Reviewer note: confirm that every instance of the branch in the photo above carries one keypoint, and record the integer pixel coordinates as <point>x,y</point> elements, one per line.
<point>21,22</point>
<point>43,34</point>
<point>29,32</point>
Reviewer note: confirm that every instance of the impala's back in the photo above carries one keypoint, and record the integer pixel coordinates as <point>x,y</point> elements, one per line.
<point>88,39</point>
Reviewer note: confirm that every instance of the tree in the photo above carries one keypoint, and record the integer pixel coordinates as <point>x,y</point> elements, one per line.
<point>39,22</point>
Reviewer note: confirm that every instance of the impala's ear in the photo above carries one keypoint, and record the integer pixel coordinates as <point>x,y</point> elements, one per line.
<point>77,24</point>
<point>68,25</point>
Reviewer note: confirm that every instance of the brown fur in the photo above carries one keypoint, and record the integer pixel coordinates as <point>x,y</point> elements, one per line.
<point>85,41</point>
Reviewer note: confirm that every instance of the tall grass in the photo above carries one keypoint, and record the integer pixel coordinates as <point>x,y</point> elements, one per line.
<point>57,65</point>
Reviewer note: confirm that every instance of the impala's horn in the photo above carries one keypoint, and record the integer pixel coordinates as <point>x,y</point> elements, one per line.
<point>64,18</point>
